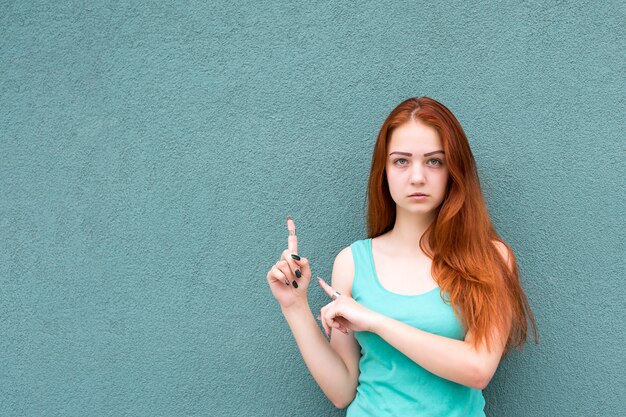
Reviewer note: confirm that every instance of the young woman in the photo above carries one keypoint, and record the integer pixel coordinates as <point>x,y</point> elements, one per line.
<point>424,309</point>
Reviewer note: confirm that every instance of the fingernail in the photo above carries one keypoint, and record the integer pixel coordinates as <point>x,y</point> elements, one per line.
<point>287,282</point>
<point>298,273</point>
<point>288,217</point>
<point>294,256</point>
<point>295,284</point>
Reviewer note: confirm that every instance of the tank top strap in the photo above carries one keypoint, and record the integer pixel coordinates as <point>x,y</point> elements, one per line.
<point>362,256</point>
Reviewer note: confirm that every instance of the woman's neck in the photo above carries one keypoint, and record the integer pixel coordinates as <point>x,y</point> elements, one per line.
<point>404,238</point>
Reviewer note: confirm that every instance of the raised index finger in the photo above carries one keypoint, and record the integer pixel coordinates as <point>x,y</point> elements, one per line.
<point>292,240</point>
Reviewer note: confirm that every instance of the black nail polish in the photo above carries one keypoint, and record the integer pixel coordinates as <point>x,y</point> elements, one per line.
<point>295,284</point>
<point>298,273</point>
<point>296,257</point>
<point>286,282</point>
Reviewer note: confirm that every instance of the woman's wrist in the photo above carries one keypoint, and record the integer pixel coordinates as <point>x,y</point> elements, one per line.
<point>297,307</point>
<point>376,322</point>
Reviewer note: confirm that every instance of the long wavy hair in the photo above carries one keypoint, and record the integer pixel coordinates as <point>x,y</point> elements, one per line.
<point>484,291</point>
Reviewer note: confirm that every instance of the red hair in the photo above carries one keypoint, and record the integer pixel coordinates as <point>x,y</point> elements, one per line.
<point>483,289</point>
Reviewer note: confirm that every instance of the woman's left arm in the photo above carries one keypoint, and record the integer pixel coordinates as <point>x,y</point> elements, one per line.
<point>455,360</point>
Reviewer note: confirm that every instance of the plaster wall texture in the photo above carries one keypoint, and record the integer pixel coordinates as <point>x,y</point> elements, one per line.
<point>150,152</point>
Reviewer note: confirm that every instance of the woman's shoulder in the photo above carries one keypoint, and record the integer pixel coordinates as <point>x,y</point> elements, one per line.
<point>505,252</point>
<point>343,268</point>
<point>344,262</point>
<point>355,251</point>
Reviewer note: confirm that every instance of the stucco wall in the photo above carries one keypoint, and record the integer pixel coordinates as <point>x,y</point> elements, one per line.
<point>149,153</point>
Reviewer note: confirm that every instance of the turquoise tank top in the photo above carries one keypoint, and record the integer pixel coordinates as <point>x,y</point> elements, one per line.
<point>391,384</point>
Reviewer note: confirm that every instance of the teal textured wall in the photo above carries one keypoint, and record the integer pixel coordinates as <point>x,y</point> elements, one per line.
<point>150,152</point>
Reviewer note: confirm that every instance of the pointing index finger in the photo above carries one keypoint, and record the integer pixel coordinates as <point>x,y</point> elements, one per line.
<point>292,240</point>
<point>332,293</point>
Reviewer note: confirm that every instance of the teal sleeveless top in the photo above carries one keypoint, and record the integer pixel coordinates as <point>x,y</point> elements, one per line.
<point>391,384</point>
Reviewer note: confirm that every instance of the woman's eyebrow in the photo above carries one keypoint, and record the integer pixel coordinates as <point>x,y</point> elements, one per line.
<point>410,154</point>
<point>434,152</point>
<point>401,153</point>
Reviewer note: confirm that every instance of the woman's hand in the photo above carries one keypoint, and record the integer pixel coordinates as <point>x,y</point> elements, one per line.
<point>289,277</point>
<point>344,313</point>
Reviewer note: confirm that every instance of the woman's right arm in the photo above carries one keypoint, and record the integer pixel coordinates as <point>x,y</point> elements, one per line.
<point>334,365</point>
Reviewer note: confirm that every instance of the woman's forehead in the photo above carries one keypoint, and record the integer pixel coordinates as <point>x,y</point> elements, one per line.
<point>416,136</point>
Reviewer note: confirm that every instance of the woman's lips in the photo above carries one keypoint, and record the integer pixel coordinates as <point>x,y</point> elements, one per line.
<point>418,197</point>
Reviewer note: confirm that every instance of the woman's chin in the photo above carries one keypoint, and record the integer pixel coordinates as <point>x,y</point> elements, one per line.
<point>415,210</point>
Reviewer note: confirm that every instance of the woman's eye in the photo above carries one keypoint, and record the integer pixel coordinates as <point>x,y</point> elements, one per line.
<point>400,161</point>
<point>435,162</point>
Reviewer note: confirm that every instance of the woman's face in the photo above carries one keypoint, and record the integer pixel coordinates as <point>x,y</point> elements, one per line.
<point>416,164</point>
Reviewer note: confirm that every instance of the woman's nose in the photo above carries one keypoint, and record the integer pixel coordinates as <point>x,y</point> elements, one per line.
<point>417,174</point>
